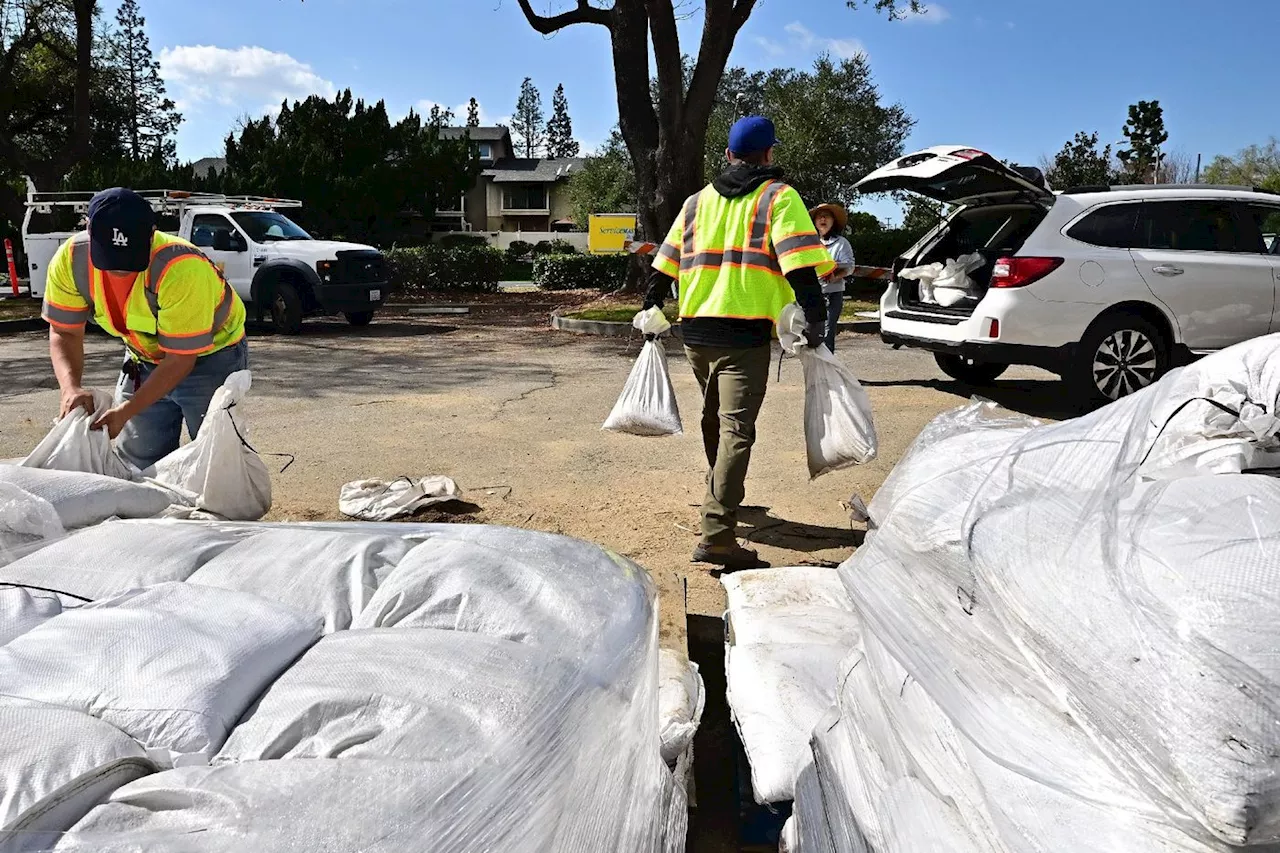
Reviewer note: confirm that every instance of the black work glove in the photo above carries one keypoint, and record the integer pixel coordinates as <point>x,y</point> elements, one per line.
<point>815,334</point>
<point>650,337</point>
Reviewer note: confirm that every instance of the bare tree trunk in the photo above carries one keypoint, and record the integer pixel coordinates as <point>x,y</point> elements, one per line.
<point>666,139</point>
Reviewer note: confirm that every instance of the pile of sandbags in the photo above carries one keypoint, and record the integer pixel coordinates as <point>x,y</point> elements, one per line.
<point>76,477</point>
<point>1068,633</point>
<point>218,686</point>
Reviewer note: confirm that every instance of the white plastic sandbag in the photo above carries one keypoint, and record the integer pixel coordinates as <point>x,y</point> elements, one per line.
<point>924,274</point>
<point>947,283</point>
<point>681,700</point>
<point>72,446</point>
<point>378,500</point>
<point>838,428</point>
<point>953,284</point>
<point>647,405</point>
<point>220,467</point>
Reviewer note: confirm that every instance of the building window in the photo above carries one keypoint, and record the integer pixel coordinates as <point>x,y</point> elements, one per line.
<point>529,197</point>
<point>486,150</point>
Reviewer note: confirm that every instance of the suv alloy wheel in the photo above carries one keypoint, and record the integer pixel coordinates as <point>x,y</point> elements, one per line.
<point>1120,354</point>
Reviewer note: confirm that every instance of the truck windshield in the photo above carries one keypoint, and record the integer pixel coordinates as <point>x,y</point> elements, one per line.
<point>265,226</point>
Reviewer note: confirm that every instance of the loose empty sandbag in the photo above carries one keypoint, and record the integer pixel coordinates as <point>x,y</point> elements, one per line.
<point>174,665</point>
<point>55,765</point>
<point>332,575</point>
<point>116,556</point>
<point>21,610</point>
<point>447,697</point>
<point>84,499</point>
<point>72,445</point>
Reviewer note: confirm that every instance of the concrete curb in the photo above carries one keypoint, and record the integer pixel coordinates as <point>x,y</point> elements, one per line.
<point>612,329</point>
<point>591,327</point>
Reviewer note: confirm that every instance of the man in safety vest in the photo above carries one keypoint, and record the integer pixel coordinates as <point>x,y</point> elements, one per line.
<point>742,249</point>
<point>182,324</point>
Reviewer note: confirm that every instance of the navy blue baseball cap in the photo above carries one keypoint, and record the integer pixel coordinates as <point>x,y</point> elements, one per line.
<point>120,226</point>
<point>751,135</point>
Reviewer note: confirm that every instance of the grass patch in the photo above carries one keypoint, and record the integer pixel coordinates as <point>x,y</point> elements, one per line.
<point>853,306</point>
<point>624,313</point>
<point>618,313</point>
<point>19,308</point>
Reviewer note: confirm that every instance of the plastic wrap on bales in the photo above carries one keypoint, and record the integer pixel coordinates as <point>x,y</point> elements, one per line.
<point>174,665</point>
<point>1069,631</point>
<point>117,556</point>
<point>503,695</point>
<point>332,575</point>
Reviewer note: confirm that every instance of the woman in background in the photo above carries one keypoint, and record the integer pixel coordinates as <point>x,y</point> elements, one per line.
<point>831,221</point>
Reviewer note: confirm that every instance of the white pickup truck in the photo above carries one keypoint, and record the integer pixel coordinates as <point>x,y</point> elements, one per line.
<point>278,269</point>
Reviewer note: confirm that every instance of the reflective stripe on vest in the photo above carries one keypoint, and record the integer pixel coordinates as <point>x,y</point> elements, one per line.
<point>763,215</point>
<point>161,260</point>
<point>61,313</point>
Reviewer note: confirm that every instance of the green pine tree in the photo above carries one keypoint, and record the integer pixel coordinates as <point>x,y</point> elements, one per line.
<point>526,123</point>
<point>560,141</point>
<point>151,118</point>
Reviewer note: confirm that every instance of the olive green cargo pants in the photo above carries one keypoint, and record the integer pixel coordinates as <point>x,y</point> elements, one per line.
<point>733,382</point>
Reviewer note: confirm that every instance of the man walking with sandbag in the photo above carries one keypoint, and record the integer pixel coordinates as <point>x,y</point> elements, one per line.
<point>742,249</point>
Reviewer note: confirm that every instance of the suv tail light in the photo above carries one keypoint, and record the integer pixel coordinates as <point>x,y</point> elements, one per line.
<point>1019,272</point>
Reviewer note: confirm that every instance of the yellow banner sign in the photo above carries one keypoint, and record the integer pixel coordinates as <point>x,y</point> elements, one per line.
<point>608,233</point>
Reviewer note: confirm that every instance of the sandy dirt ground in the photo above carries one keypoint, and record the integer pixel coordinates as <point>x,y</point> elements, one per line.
<point>512,411</point>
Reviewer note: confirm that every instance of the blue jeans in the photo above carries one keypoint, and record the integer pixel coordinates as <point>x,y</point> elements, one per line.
<point>835,304</point>
<point>156,431</point>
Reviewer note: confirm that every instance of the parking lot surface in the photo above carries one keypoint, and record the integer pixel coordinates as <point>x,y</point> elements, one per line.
<point>512,411</point>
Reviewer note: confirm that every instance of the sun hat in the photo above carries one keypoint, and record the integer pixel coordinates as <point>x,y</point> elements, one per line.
<point>836,212</point>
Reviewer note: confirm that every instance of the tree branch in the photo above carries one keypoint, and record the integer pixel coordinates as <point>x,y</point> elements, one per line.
<point>583,13</point>
<point>667,57</point>
<point>742,10</point>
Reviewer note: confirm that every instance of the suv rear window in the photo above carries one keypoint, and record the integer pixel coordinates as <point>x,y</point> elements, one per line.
<point>1111,226</point>
<point>1193,226</point>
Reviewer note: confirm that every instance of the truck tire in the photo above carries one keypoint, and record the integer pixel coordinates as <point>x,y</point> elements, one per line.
<point>968,371</point>
<point>1120,353</point>
<point>358,318</point>
<point>286,308</point>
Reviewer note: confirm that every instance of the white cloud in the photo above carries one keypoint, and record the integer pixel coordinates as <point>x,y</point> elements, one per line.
<point>933,13</point>
<point>806,40</point>
<point>248,78</point>
<point>771,47</point>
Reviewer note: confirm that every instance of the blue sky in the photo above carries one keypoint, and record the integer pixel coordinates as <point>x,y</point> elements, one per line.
<point>1013,77</point>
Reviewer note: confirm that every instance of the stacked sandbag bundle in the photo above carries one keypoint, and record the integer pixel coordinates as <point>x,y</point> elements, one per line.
<point>297,687</point>
<point>1068,632</point>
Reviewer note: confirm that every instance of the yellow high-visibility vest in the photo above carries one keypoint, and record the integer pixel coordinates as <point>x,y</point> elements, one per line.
<point>731,255</point>
<point>180,304</point>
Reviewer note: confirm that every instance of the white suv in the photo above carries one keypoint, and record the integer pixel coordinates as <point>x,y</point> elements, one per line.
<point>1106,286</point>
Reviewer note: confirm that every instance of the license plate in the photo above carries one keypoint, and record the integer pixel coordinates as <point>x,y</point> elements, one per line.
<point>375,295</point>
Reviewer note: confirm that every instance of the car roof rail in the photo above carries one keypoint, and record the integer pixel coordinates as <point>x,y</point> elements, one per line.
<point>1102,188</point>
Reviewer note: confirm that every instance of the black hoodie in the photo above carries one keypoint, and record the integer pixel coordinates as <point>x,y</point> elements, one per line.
<point>735,182</point>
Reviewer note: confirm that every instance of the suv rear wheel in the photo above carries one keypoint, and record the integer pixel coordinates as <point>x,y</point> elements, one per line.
<point>968,371</point>
<point>1120,354</point>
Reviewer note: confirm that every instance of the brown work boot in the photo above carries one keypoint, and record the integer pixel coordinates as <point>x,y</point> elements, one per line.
<point>733,557</point>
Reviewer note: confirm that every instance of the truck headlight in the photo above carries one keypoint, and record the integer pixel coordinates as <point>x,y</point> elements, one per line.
<point>325,270</point>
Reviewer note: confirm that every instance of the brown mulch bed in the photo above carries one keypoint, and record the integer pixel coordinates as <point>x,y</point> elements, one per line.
<point>521,308</point>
